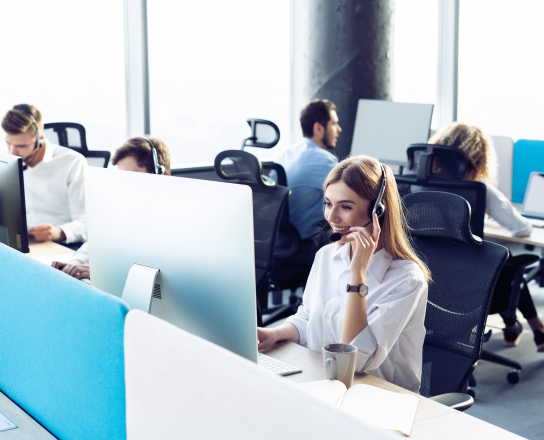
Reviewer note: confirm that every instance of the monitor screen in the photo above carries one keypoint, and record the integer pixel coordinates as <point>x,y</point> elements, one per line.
<point>13,227</point>
<point>534,202</point>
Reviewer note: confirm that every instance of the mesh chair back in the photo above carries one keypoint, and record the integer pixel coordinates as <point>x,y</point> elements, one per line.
<point>72,135</point>
<point>464,271</point>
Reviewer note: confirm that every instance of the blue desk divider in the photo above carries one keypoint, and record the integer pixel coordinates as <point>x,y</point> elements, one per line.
<point>61,350</point>
<point>528,157</point>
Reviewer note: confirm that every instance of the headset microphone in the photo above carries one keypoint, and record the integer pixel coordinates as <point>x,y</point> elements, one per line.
<point>336,236</point>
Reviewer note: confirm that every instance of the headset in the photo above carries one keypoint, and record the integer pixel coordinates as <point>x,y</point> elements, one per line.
<point>157,168</point>
<point>377,207</point>
<point>39,141</point>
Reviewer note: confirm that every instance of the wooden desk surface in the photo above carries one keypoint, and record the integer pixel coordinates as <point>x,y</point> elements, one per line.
<point>28,427</point>
<point>46,249</point>
<point>433,420</point>
<point>493,230</point>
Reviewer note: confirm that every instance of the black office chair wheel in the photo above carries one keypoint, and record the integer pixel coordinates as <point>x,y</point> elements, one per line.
<point>471,393</point>
<point>513,376</point>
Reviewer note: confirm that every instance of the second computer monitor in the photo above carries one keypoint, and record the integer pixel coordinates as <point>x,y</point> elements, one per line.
<point>198,233</point>
<point>385,129</point>
<point>13,227</point>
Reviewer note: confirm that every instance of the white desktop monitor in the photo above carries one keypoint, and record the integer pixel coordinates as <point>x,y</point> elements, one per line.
<point>198,233</point>
<point>533,203</point>
<point>385,129</point>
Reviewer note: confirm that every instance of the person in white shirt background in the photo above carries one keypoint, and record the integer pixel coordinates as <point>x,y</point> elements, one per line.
<point>134,155</point>
<point>482,166</point>
<point>53,179</point>
<point>386,324</point>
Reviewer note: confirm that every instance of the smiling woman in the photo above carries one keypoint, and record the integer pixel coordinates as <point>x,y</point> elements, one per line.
<point>382,309</point>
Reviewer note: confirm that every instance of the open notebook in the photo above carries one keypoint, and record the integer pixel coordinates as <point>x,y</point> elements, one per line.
<point>372,405</point>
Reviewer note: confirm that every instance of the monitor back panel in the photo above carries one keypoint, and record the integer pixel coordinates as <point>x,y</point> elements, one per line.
<point>198,233</point>
<point>533,203</point>
<point>385,129</point>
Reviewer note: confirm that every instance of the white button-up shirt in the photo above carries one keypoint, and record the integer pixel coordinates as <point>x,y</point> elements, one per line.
<point>500,208</point>
<point>391,345</point>
<point>55,193</point>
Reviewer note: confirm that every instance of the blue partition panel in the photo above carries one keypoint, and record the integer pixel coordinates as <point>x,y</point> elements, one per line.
<point>528,157</point>
<point>61,350</point>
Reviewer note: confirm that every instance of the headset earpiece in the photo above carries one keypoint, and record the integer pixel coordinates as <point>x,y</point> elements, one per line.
<point>377,207</point>
<point>157,168</point>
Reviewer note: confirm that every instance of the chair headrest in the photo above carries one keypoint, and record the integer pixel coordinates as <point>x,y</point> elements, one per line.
<point>440,215</point>
<point>439,161</point>
<point>264,134</point>
<point>243,166</point>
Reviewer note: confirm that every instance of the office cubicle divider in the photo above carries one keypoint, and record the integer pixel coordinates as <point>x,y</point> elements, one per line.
<point>528,157</point>
<point>62,350</point>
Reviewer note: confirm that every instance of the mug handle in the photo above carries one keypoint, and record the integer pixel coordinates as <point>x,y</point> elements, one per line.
<point>328,368</point>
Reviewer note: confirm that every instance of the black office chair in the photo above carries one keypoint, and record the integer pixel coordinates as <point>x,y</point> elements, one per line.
<point>420,175</point>
<point>72,135</point>
<point>464,270</point>
<point>423,174</point>
<point>269,201</point>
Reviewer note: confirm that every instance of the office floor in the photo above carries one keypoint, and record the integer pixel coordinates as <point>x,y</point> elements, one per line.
<point>517,408</point>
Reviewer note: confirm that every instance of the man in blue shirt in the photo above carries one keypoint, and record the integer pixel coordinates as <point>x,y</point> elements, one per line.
<point>307,165</point>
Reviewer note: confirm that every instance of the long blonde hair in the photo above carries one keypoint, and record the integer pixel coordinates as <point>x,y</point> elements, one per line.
<point>482,159</point>
<point>364,176</point>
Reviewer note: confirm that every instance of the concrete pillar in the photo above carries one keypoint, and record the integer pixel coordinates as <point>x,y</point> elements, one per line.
<point>349,56</point>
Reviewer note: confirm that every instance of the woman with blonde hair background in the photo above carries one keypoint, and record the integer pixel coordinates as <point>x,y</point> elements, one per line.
<point>382,309</point>
<point>482,166</point>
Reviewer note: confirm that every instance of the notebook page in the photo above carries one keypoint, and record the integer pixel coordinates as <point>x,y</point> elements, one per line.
<point>6,423</point>
<point>381,408</point>
<point>328,391</point>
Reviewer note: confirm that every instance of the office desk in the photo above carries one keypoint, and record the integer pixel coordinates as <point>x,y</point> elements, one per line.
<point>28,427</point>
<point>492,230</point>
<point>48,251</point>
<point>433,420</point>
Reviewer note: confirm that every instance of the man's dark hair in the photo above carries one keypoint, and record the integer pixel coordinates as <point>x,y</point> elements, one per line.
<point>319,110</point>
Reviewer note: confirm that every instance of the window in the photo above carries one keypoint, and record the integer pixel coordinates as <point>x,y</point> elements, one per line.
<point>67,59</point>
<point>415,51</point>
<point>212,65</point>
<point>501,67</point>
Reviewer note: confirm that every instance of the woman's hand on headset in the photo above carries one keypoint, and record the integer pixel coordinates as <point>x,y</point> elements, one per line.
<point>365,243</point>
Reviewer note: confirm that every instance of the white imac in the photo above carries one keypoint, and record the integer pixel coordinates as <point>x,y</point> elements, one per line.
<point>197,233</point>
<point>533,202</point>
<point>385,129</point>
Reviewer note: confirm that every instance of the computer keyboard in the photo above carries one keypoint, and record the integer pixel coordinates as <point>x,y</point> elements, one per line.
<point>277,367</point>
<point>536,222</point>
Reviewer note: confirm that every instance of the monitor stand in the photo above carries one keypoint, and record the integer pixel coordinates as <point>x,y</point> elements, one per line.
<point>139,287</point>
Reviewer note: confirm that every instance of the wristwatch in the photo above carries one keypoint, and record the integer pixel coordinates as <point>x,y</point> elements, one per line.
<point>361,289</point>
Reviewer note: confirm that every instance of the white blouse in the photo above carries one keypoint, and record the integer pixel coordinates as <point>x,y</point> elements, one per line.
<point>500,208</point>
<point>391,345</point>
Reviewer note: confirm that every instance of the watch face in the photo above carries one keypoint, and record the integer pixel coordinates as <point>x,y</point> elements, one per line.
<point>363,291</point>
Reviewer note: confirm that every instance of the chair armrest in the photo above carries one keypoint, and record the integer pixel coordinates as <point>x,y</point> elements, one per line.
<point>522,261</point>
<point>458,401</point>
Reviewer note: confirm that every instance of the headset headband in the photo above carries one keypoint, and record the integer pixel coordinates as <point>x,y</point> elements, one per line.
<point>157,168</point>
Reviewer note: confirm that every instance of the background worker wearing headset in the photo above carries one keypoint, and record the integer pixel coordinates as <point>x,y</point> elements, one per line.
<point>139,154</point>
<point>53,178</point>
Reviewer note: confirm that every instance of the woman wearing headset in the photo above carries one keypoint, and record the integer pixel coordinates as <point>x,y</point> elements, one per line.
<point>482,166</point>
<point>369,288</point>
